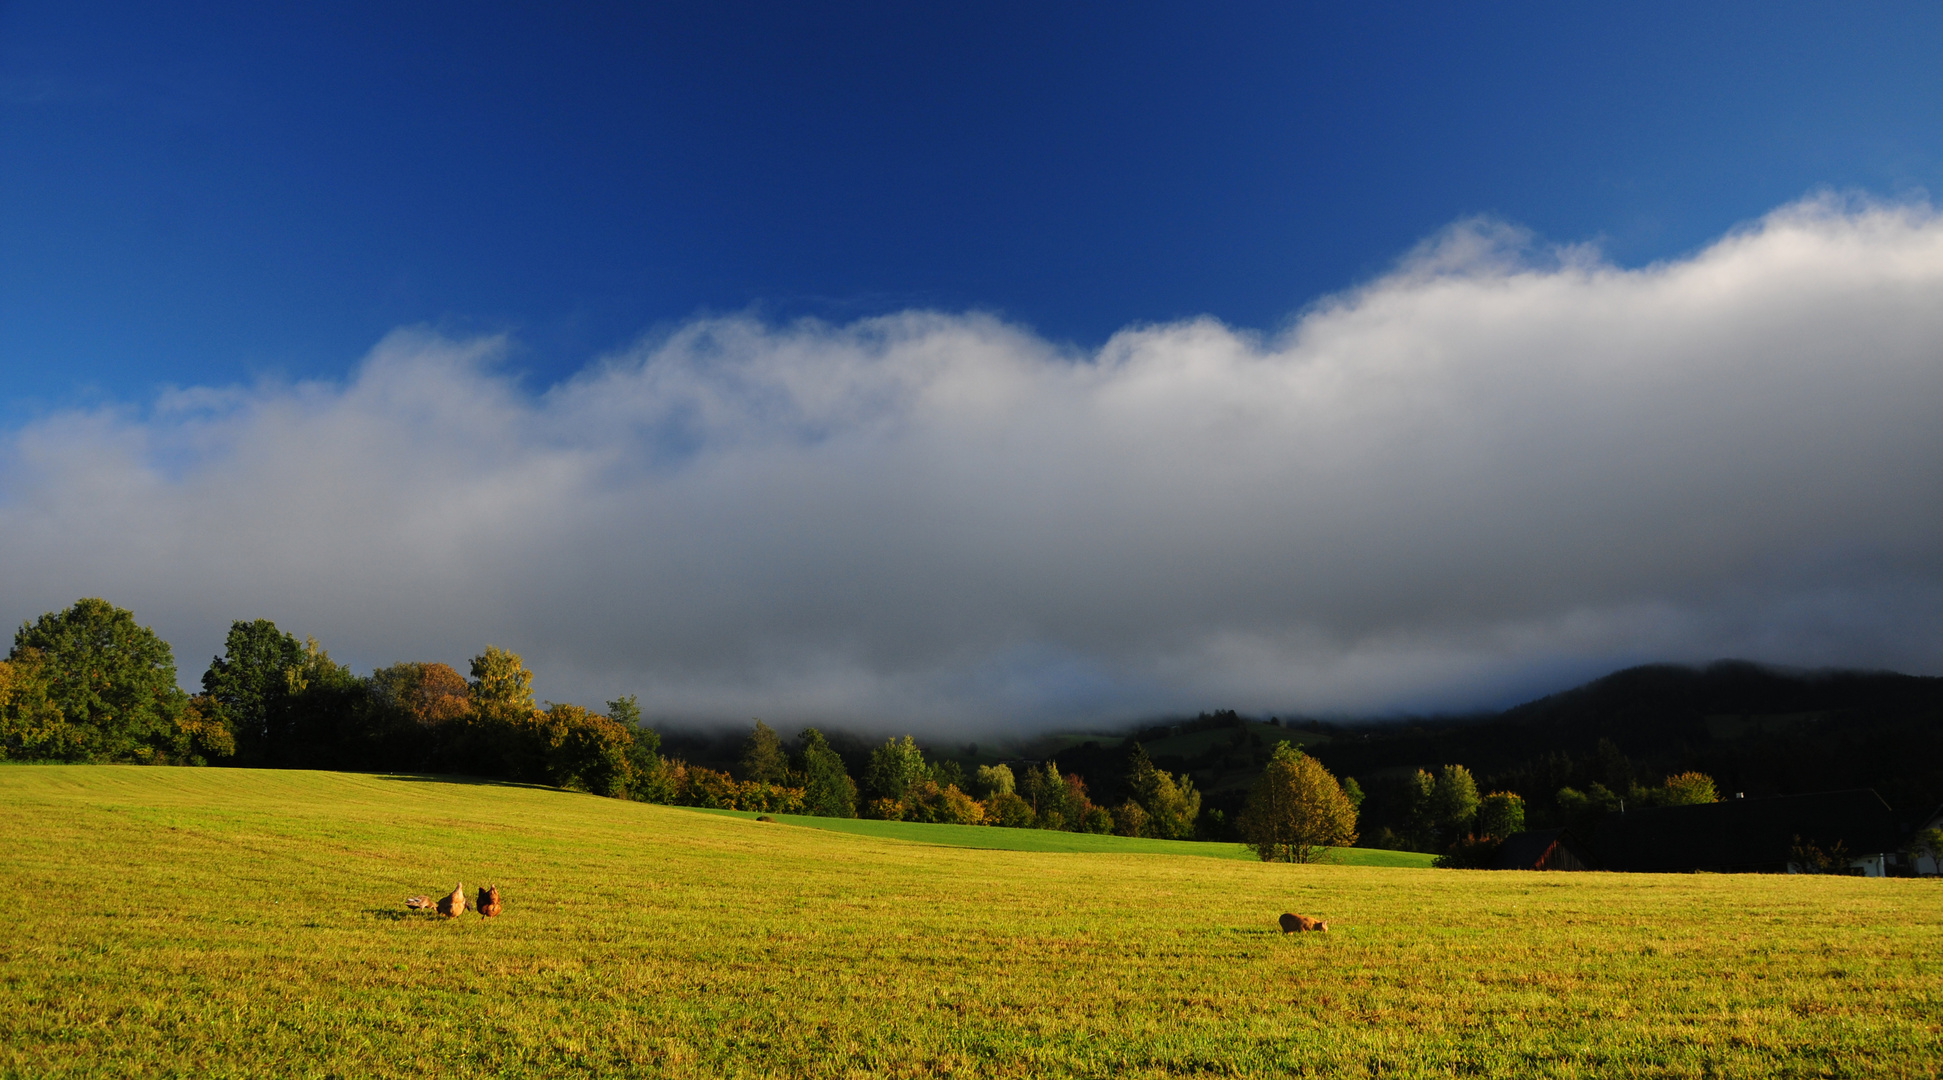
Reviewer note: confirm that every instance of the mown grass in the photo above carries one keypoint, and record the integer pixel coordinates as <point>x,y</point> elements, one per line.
<point>244,923</point>
<point>979,836</point>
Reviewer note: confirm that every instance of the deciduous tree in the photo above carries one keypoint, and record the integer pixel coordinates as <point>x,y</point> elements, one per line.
<point>1297,810</point>
<point>763,759</point>
<point>995,779</point>
<point>416,714</point>
<point>586,751</point>
<point>1690,789</point>
<point>929,801</point>
<point>1009,810</point>
<point>1096,819</point>
<point>828,790</point>
<point>1046,790</point>
<point>1172,805</point>
<point>112,679</point>
<point>1582,809</point>
<point>315,723</point>
<point>31,725</point>
<point>1500,814</point>
<point>425,695</point>
<point>247,684</point>
<point>946,773</point>
<point>200,735</point>
<point>648,779</point>
<point>504,731</point>
<point>1420,819</point>
<point>893,768</point>
<point>500,683</point>
<point>1454,802</point>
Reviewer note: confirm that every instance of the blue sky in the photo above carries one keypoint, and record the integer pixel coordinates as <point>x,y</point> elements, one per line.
<point>459,270</point>
<point>210,192</point>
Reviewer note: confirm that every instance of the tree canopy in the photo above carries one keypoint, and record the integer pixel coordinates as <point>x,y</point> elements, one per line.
<point>1297,810</point>
<point>763,759</point>
<point>1443,806</point>
<point>995,780</point>
<point>247,683</point>
<point>1169,806</point>
<point>111,680</point>
<point>1454,801</point>
<point>31,725</point>
<point>1690,789</point>
<point>500,683</point>
<point>893,768</point>
<point>1500,814</point>
<point>828,790</point>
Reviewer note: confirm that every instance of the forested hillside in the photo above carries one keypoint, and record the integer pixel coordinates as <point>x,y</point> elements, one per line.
<point>92,684</point>
<point>1754,730</point>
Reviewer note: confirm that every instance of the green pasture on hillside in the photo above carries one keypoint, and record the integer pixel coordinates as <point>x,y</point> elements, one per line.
<point>218,922</point>
<point>980,836</point>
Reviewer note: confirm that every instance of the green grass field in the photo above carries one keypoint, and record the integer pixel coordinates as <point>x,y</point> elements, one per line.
<point>204,922</point>
<point>978,836</point>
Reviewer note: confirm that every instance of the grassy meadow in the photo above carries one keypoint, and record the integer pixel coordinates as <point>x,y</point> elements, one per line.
<point>979,836</point>
<point>206,922</point>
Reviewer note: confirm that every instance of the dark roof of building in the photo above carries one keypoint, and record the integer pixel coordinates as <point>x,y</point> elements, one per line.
<point>1525,850</point>
<point>1744,834</point>
<point>1521,851</point>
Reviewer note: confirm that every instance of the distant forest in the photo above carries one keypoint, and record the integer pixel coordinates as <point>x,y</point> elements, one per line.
<point>91,684</point>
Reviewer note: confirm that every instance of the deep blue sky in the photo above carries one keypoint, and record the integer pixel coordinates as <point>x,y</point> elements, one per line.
<point>207,193</point>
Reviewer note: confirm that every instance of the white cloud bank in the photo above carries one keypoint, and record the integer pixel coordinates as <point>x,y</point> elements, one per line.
<point>1487,471</point>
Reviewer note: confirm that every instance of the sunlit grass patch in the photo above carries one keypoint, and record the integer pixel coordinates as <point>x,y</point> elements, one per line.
<point>997,839</point>
<point>235,922</point>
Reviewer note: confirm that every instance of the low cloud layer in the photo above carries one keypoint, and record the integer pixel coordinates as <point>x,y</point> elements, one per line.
<point>1494,470</point>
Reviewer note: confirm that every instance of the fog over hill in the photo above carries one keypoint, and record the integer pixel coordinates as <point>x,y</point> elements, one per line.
<point>1497,469</point>
<point>1758,731</point>
<point>1755,730</point>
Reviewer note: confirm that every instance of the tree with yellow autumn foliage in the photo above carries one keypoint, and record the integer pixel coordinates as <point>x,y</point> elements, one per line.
<point>1297,810</point>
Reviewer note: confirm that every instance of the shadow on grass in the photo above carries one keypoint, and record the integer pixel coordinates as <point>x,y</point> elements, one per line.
<point>468,781</point>
<point>403,914</point>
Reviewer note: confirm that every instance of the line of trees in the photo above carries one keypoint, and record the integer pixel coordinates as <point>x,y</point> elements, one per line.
<point>91,684</point>
<point>1443,812</point>
<point>901,784</point>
